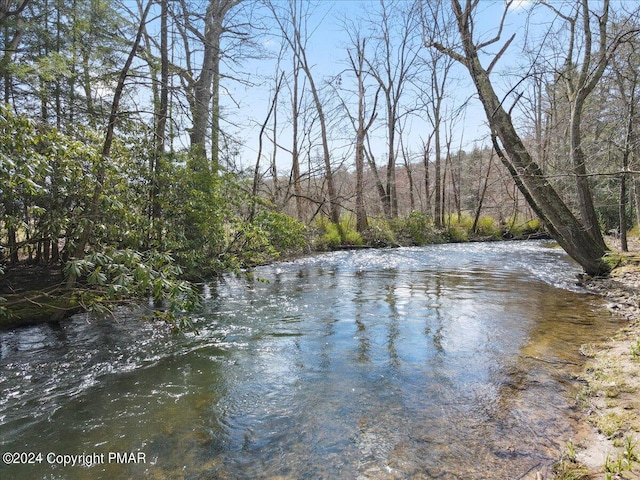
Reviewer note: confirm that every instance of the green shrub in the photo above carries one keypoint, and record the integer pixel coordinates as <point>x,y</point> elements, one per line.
<point>458,227</point>
<point>465,221</point>
<point>352,237</point>
<point>284,233</point>
<point>330,238</point>
<point>487,226</point>
<point>532,226</point>
<point>456,233</point>
<point>116,275</point>
<point>270,235</point>
<point>333,236</point>
<point>523,229</point>
<point>380,234</point>
<point>416,229</point>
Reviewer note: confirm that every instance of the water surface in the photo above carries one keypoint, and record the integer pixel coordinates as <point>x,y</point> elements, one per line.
<point>449,361</point>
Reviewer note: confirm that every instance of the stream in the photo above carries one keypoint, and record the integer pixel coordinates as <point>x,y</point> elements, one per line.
<point>439,362</point>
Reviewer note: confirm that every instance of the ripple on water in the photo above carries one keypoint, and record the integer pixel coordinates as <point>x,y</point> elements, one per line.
<point>439,362</point>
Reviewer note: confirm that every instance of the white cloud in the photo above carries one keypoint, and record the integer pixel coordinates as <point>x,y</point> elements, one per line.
<point>521,4</point>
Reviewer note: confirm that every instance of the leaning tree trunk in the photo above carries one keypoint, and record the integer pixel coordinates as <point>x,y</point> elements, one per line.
<point>563,225</point>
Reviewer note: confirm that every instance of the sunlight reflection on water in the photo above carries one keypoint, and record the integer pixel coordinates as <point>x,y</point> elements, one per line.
<point>449,361</point>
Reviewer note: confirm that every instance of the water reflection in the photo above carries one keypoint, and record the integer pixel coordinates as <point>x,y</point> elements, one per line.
<point>441,362</point>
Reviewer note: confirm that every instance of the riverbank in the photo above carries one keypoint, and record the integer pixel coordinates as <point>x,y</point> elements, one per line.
<point>607,444</point>
<point>33,294</point>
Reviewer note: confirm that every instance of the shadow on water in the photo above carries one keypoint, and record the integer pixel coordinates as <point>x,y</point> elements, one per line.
<point>448,362</point>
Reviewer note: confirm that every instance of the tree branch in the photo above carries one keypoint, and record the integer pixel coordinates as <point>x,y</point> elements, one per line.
<point>500,53</point>
<point>500,28</point>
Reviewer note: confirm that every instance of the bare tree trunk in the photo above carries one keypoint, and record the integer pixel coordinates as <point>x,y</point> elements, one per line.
<point>392,72</point>
<point>425,163</point>
<point>361,214</point>
<point>362,127</point>
<point>13,242</point>
<point>256,171</point>
<point>585,198</point>
<point>579,90</point>
<point>438,66</point>
<point>630,139</point>
<point>426,148</point>
<point>392,192</point>
<point>437,174</point>
<point>622,207</point>
<point>362,223</point>
<point>275,197</point>
<point>200,106</point>
<point>566,229</point>
<point>295,41</point>
<point>636,195</point>
<point>481,195</point>
<point>215,102</point>
<point>448,167</point>
<point>382,194</point>
<point>161,124</point>
<point>409,169</point>
<point>205,100</point>
<point>295,151</point>
<point>334,206</point>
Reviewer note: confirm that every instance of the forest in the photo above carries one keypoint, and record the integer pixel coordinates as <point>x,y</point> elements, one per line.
<point>149,145</point>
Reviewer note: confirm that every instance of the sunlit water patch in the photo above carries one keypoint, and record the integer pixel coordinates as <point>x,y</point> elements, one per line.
<point>449,361</point>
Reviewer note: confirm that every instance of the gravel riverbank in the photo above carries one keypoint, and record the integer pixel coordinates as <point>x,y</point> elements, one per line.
<point>607,444</point>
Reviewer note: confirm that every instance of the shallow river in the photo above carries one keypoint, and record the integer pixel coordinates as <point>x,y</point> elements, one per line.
<point>449,361</point>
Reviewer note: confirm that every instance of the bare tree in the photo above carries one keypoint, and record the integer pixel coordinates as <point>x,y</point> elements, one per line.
<point>580,79</point>
<point>438,65</point>
<point>371,161</point>
<point>570,233</point>
<point>625,70</point>
<point>426,151</point>
<point>162,113</point>
<point>483,184</point>
<point>393,67</point>
<point>408,166</point>
<point>361,123</point>
<point>290,24</point>
<point>270,113</point>
<point>203,85</point>
<point>295,152</point>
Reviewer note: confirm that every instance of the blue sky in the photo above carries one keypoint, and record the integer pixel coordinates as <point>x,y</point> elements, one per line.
<point>327,53</point>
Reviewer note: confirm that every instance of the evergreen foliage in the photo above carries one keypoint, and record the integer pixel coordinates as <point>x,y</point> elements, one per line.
<point>46,180</point>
